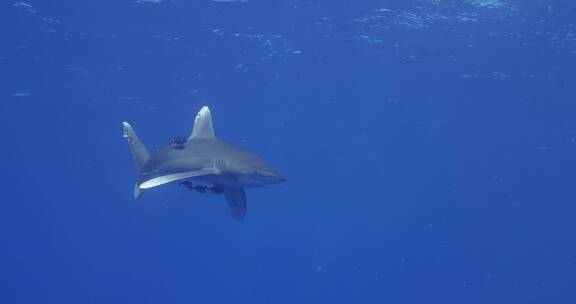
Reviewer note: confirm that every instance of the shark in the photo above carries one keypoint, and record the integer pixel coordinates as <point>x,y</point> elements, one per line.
<point>201,157</point>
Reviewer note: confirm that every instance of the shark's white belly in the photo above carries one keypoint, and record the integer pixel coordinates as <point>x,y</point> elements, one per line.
<point>230,181</point>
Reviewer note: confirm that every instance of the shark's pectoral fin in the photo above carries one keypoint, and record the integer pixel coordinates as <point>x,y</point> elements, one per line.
<point>164,179</point>
<point>236,198</point>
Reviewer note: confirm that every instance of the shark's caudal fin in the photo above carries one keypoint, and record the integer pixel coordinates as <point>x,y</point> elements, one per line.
<point>202,125</point>
<point>139,152</point>
<point>236,198</point>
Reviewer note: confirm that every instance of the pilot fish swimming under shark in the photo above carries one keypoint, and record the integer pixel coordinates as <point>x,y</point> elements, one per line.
<point>201,158</point>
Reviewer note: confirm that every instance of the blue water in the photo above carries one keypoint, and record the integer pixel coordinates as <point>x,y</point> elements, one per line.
<point>429,148</point>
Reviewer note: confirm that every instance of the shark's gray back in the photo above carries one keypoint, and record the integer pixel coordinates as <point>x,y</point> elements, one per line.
<point>201,153</point>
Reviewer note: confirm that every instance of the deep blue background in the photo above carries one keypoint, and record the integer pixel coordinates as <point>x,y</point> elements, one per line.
<point>429,146</point>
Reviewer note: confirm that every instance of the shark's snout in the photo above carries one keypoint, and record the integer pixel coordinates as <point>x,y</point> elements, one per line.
<point>266,178</point>
<point>275,178</point>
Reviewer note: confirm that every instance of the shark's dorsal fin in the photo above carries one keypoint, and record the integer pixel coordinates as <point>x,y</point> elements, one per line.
<point>202,125</point>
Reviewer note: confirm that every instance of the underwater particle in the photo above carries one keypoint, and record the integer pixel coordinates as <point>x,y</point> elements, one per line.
<point>149,107</point>
<point>51,20</point>
<point>115,69</point>
<point>487,3</point>
<point>128,98</point>
<point>79,70</point>
<point>21,94</point>
<point>25,6</point>
<point>149,1</point>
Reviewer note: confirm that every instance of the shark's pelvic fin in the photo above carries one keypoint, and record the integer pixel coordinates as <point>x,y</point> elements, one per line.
<point>139,152</point>
<point>202,125</point>
<point>236,198</point>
